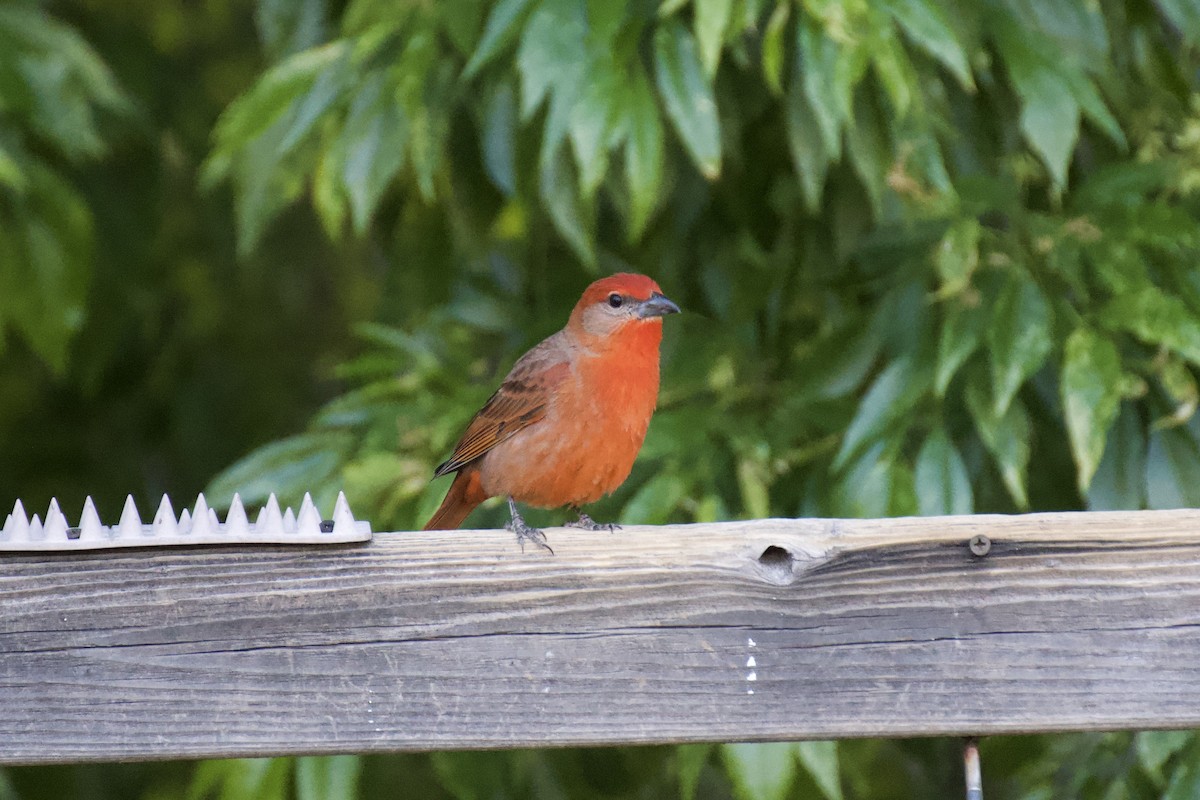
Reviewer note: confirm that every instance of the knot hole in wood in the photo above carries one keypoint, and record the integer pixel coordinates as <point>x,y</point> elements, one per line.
<point>777,565</point>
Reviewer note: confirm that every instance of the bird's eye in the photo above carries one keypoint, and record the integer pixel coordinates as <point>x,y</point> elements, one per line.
<point>615,300</point>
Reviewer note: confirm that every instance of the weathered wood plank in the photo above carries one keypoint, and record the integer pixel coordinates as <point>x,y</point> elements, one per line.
<point>456,639</point>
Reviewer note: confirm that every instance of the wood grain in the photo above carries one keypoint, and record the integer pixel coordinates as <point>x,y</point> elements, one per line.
<point>773,629</point>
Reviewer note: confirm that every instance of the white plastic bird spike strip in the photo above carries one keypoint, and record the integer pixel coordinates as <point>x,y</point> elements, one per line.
<point>198,525</point>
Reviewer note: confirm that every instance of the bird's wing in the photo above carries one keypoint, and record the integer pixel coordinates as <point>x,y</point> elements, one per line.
<point>520,401</point>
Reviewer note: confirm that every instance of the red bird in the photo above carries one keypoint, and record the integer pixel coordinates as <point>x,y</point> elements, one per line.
<point>566,424</point>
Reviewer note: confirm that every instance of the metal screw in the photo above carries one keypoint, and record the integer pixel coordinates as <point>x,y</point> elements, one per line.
<point>971,766</point>
<point>980,545</point>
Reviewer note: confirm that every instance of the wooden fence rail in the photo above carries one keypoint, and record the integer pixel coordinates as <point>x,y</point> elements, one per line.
<point>772,629</point>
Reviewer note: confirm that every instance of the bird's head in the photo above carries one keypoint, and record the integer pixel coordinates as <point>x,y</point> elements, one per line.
<point>625,302</point>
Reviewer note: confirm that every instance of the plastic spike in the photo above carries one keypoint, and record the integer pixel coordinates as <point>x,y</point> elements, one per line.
<point>198,525</point>
<point>201,524</point>
<point>55,526</point>
<point>269,521</point>
<point>131,523</point>
<point>235,521</point>
<point>20,522</point>
<point>343,520</point>
<point>308,521</point>
<point>164,520</point>
<point>89,522</point>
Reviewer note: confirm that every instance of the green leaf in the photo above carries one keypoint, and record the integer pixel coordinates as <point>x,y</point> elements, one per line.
<point>1049,111</point>
<point>774,48</point>
<point>1091,396</point>
<point>942,483</point>
<point>371,148</point>
<point>1185,783</point>
<point>896,74</point>
<point>890,398</point>
<point>830,71</point>
<point>869,150</point>
<point>241,778</point>
<point>289,88</point>
<point>1094,108</point>
<point>865,487</point>
<point>605,21</point>
<point>499,139</point>
<point>1120,480</point>
<point>754,479</point>
<point>806,144</point>
<point>689,762</point>
<point>926,24</point>
<point>1005,436</point>
<point>957,256</point>
<point>265,186</point>
<point>959,337</point>
<point>1156,318</point>
<point>841,361</point>
<point>591,122</point>
<point>288,467</point>
<point>473,775</point>
<point>55,82</point>
<point>655,501</point>
<point>45,264</point>
<point>711,18</point>
<point>1155,748</point>
<point>1173,470</point>
<point>9,792</point>
<point>550,61</point>
<point>574,217</point>
<point>327,777</point>
<point>499,30</point>
<point>820,760</point>
<point>642,131</point>
<point>424,85</point>
<point>328,195</point>
<point>760,771</point>
<point>1020,337</point>
<point>11,173</point>
<point>688,96</point>
<point>1185,15</point>
<point>289,26</point>
<point>1053,92</point>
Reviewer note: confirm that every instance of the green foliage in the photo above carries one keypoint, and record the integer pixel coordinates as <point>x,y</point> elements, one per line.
<point>934,257</point>
<point>771,771</point>
<point>1143,766</point>
<point>608,135</point>
<point>308,778</point>
<point>54,91</point>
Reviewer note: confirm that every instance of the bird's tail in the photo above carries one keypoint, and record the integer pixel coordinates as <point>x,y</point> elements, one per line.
<point>464,495</point>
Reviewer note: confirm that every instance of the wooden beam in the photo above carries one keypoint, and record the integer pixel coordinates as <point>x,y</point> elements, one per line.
<point>774,629</point>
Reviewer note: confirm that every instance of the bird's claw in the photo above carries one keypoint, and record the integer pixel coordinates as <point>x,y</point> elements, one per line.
<point>588,524</point>
<point>524,531</point>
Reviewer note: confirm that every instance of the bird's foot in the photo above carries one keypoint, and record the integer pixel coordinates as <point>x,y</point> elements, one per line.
<point>524,531</point>
<point>588,524</point>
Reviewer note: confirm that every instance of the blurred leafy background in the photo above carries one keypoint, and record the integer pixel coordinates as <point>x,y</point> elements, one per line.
<point>935,257</point>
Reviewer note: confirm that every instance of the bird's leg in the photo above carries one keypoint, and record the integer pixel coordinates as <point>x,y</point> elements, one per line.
<point>524,532</point>
<point>589,524</point>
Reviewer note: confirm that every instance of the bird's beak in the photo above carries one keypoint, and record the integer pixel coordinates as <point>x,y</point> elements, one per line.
<point>656,306</point>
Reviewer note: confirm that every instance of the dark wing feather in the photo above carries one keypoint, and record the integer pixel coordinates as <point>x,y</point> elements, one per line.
<point>520,401</point>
